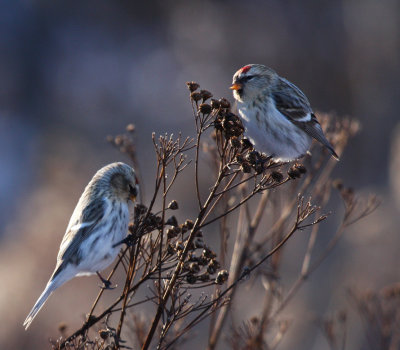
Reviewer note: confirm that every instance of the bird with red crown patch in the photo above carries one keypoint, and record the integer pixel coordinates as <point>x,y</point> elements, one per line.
<point>276,114</point>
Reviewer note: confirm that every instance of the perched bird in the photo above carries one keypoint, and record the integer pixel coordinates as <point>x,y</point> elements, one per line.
<point>99,221</point>
<point>276,114</point>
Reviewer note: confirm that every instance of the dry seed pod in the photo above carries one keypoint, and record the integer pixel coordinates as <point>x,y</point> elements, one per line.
<point>222,277</point>
<point>192,86</point>
<point>173,205</point>
<point>195,96</point>
<point>277,176</point>
<point>205,108</point>
<point>191,279</point>
<point>293,173</point>
<point>205,95</point>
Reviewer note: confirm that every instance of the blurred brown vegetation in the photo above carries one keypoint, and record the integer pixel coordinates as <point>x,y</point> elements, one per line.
<point>73,73</point>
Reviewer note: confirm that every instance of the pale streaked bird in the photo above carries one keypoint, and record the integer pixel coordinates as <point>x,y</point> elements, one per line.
<point>277,116</point>
<point>100,221</point>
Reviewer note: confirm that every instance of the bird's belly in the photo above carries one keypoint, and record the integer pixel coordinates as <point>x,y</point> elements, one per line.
<point>273,134</point>
<point>99,252</point>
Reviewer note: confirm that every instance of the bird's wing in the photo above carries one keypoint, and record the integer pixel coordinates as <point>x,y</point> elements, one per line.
<point>294,105</point>
<point>90,217</point>
<point>291,102</point>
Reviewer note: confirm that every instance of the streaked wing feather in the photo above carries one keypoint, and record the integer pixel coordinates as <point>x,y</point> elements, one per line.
<point>92,214</point>
<point>294,105</point>
<point>291,101</point>
<point>313,128</point>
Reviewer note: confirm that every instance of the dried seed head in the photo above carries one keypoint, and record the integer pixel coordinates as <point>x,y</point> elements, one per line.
<point>239,159</point>
<point>191,279</point>
<point>208,253</point>
<point>194,267</point>
<point>301,168</point>
<point>202,260</point>
<point>245,167</point>
<point>224,103</point>
<point>192,256</point>
<point>215,104</point>
<point>171,233</point>
<point>259,167</point>
<point>235,142</point>
<point>205,108</point>
<point>104,333</point>
<point>222,277</point>
<point>130,128</point>
<point>205,95</point>
<point>198,243</point>
<point>213,266</point>
<point>184,228</point>
<point>277,176</point>
<point>218,123</point>
<point>173,205</point>
<point>172,221</point>
<point>192,86</point>
<point>215,263</point>
<point>293,173</point>
<point>189,224</point>
<point>253,157</point>
<point>246,144</point>
<point>140,209</point>
<point>195,96</point>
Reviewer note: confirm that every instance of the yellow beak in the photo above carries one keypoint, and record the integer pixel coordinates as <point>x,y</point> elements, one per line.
<point>236,86</point>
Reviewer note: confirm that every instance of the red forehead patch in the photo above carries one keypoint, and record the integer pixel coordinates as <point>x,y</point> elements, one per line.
<point>245,69</point>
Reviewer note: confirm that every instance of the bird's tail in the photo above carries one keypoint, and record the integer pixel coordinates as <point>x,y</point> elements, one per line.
<point>334,155</point>
<point>51,286</point>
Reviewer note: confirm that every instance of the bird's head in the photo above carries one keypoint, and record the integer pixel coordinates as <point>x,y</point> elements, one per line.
<point>251,81</point>
<point>124,184</point>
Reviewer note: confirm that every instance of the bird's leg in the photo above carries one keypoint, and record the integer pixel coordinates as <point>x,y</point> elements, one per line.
<point>129,240</point>
<point>106,284</point>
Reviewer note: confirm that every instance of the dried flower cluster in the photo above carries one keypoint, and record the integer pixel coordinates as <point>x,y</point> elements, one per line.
<point>186,280</point>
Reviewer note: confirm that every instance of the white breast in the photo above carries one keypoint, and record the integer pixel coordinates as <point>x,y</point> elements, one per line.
<point>272,133</point>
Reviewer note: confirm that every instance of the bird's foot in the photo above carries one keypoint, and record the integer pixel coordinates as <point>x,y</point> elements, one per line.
<point>106,283</point>
<point>129,240</point>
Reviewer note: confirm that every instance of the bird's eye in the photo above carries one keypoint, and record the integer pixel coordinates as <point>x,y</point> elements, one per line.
<point>247,78</point>
<point>133,190</point>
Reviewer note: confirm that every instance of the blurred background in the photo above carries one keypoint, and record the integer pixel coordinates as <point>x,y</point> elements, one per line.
<point>72,73</point>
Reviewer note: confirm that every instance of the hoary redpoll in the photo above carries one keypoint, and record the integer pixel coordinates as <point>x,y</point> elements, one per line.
<point>99,221</point>
<point>276,114</point>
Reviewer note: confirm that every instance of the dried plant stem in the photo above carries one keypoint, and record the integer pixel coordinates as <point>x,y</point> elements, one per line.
<point>178,268</point>
<point>243,239</point>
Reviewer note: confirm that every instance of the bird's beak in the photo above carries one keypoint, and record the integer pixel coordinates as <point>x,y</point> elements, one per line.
<point>236,86</point>
<point>133,194</point>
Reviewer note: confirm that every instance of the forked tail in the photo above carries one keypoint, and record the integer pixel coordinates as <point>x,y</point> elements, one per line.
<point>51,286</point>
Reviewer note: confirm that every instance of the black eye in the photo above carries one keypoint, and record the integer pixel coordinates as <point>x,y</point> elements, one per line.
<point>133,190</point>
<point>247,78</point>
